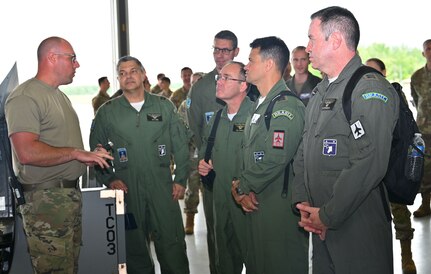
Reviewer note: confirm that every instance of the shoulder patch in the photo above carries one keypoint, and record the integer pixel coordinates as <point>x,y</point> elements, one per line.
<point>283,112</point>
<point>374,95</point>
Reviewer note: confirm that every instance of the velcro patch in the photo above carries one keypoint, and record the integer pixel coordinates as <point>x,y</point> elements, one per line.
<point>278,139</point>
<point>329,147</point>
<point>283,112</point>
<point>375,95</point>
<point>357,129</point>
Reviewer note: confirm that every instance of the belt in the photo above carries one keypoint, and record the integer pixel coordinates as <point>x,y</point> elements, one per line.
<point>52,184</point>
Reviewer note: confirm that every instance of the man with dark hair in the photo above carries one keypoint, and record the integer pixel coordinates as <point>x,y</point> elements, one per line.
<point>146,132</point>
<point>157,88</point>
<point>275,243</point>
<point>340,165</point>
<point>102,97</point>
<point>202,104</point>
<point>181,94</point>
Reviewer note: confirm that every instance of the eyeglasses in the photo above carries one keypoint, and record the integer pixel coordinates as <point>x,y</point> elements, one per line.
<point>225,78</point>
<point>71,55</point>
<point>224,51</point>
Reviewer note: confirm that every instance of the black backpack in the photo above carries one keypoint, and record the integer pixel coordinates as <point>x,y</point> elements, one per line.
<point>400,189</point>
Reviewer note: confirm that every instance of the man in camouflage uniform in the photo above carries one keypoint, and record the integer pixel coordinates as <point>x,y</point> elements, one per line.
<point>191,199</point>
<point>421,92</point>
<point>48,152</point>
<point>401,213</point>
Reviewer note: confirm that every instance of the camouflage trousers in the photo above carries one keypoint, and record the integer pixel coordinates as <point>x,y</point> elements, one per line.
<point>191,198</point>
<point>402,222</point>
<point>52,224</point>
<point>426,181</point>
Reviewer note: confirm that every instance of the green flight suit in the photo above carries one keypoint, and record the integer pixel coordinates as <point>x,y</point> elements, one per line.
<point>144,142</point>
<point>339,167</point>
<point>275,242</point>
<point>229,218</point>
<point>202,104</point>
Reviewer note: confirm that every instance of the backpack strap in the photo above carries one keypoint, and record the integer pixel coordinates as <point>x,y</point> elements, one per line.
<point>347,95</point>
<point>267,116</point>
<point>211,138</point>
<point>347,108</point>
<point>280,96</point>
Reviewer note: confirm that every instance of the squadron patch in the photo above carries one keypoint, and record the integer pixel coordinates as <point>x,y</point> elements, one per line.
<point>238,127</point>
<point>278,139</point>
<point>162,150</point>
<point>329,104</point>
<point>306,95</point>
<point>208,116</point>
<point>188,102</point>
<point>329,147</point>
<point>283,112</point>
<point>258,156</point>
<point>154,117</point>
<point>375,95</point>
<point>357,130</point>
<point>122,154</point>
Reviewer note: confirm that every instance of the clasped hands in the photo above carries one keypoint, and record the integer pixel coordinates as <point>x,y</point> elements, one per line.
<point>248,202</point>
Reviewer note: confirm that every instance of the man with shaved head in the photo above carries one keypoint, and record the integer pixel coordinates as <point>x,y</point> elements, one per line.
<point>49,155</point>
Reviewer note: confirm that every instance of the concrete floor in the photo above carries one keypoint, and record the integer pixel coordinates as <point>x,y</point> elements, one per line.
<point>421,245</point>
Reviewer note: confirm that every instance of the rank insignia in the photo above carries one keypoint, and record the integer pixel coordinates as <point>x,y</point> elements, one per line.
<point>238,127</point>
<point>357,130</point>
<point>122,154</point>
<point>154,117</point>
<point>329,147</point>
<point>328,104</point>
<point>162,150</point>
<point>278,139</point>
<point>258,156</point>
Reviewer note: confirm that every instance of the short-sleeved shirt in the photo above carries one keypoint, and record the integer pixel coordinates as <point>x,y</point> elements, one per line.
<point>38,108</point>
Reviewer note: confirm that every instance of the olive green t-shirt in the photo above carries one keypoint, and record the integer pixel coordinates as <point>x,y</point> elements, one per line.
<point>43,110</point>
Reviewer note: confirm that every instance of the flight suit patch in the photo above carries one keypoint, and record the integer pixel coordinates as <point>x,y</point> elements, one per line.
<point>258,156</point>
<point>357,130</point>
<point>208,116</point>
<point>329,104</point>
<point>375,95</point>
<point>283,112</point>
<point>278,139</point>
<point>255,118</point>
<point>122,154</point>
<point>238,127</point>
<point>162,150</point>
<point>306,95</point>
<point>329,147</point>
<point>154,117</point>
<point>188,102</point>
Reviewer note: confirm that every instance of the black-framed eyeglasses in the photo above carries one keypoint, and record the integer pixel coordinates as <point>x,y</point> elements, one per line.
<point>71,55</point>
<point>225,78</point>
<point>224,51</point>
